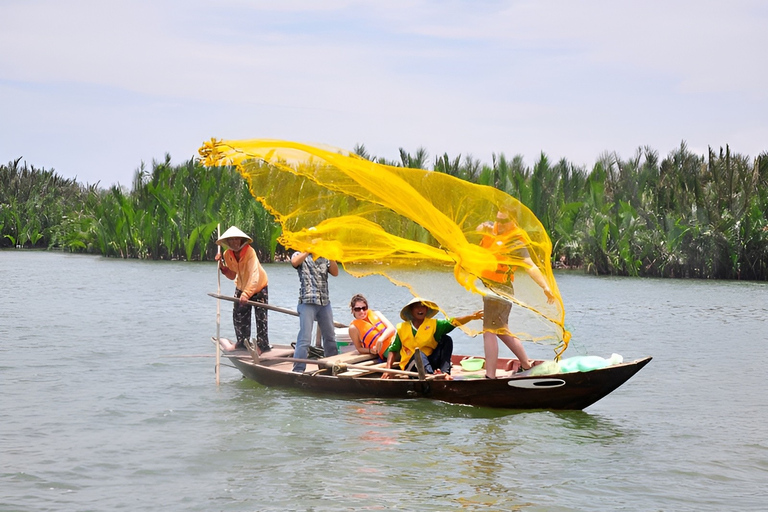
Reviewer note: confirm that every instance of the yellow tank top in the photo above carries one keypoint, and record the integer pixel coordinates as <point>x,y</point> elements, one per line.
<point>423,340</point>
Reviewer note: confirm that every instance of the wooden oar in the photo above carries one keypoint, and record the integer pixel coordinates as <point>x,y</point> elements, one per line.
<point>266,306</point>
<point>344,366</point>
<point>420,364</point>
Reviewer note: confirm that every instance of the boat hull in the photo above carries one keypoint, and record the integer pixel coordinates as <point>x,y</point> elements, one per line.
<point>569,391</point>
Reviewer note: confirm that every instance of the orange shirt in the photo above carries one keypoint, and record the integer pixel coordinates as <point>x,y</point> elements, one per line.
<point>250,276</point>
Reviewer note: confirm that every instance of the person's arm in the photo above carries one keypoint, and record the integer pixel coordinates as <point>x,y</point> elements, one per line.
<point>389,330</point>
<point>298,258</point>
<point>354,335</point>
<point>394,347</point>
<point>485,227</point>
<point>392,351</point>
<point>461,320</point>
<point>228,273</point>
<point>333,268</point>
<point>538,278</point>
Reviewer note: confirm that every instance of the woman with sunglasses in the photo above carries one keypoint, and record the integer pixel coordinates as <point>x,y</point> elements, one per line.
<point>370,331</point>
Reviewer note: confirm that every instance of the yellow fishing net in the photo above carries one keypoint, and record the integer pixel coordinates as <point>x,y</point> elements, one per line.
<point>413,226</point>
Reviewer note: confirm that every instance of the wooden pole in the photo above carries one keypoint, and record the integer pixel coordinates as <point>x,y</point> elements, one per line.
<point>420,364</point>
<point>218,309</point>
<point>267,306</point>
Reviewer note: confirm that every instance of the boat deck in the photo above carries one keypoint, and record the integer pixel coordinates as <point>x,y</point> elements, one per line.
<point>276,359</point>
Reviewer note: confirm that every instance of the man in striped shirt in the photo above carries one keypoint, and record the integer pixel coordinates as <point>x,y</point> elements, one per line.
<point>314,304</point>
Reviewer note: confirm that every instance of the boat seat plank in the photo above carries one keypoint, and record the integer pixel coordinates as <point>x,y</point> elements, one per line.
<point>358,372</point>
<point>350,357</point>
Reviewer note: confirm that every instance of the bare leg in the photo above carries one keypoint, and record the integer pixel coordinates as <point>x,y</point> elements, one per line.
<point>516,346</point>
<point>491,347</point>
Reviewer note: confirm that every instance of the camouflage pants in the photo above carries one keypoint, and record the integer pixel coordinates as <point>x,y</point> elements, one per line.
<point>241,318</point>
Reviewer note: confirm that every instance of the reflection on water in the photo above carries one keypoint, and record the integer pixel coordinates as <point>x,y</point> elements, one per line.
<point>590,427</point>
<point>96,416</point>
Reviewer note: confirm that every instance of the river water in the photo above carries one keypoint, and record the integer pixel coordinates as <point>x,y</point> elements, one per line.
<point>108,402</point>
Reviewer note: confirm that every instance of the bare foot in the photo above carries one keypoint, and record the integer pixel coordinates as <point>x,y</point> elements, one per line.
<point>226,345</point>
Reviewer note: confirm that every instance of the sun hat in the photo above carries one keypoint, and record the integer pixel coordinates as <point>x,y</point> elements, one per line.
<point>233,232</point>
<point>432,308</point>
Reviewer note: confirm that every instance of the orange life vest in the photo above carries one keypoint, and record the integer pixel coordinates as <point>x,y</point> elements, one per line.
<point>371,328</point>
<point>499,243</point>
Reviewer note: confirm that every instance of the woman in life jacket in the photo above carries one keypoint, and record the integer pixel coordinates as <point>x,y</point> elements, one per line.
<point>370,330</point>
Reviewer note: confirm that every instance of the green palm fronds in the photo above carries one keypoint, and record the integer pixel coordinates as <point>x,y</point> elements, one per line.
<point>684,215</point>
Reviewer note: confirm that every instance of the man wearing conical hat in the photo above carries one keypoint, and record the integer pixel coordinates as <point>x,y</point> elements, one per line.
<point>421,330</point>
<point>240,263</point>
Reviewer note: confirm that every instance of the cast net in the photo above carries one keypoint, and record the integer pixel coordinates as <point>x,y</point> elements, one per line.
<point>413,226</point>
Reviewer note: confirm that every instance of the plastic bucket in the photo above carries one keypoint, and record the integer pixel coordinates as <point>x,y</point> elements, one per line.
<point>343,341</point>
<point>344,346</point>
<point>472,364</point>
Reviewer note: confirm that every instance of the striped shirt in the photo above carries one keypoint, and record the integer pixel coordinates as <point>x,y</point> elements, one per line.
<point>313,281</point>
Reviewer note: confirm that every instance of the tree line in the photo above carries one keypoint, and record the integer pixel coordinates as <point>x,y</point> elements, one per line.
<point>684,215</point>
<point>170,212</point>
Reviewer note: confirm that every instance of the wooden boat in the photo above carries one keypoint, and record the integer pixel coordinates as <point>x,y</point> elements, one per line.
<point>358,375</point>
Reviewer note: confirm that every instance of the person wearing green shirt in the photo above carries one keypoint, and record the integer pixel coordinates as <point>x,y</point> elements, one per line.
<point>421,330</point>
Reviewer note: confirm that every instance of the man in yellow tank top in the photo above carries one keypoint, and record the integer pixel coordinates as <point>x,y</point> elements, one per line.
<point>421,330</point>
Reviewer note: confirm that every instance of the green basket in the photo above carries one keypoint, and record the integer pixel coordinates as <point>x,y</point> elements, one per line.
<point>472,364</point>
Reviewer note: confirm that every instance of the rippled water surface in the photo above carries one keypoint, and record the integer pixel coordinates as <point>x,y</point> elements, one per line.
<point>108,402</point>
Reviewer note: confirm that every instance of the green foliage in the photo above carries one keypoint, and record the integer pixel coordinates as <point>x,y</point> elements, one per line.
<point>171,212</point>
<point>33,203</point>
<point>684,215</point>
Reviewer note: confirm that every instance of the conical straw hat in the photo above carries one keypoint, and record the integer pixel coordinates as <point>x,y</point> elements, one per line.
<point>233,232</point>
<point>432,308</point>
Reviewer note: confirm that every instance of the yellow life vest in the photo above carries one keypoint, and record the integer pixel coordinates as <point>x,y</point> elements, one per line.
<point>370,329</point>
<point>423,340</point>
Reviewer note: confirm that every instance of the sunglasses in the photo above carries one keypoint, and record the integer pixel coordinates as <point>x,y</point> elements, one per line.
<point>360,308</point>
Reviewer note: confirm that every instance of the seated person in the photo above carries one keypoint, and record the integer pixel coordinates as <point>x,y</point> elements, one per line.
<point>420,330</point>
<point>370,331</point>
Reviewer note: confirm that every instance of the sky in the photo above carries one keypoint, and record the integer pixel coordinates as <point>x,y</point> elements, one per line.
<point>92,89</point>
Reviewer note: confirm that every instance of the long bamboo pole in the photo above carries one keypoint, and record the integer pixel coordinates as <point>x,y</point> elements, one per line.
<point>218,308</point>
<point>267,306</point>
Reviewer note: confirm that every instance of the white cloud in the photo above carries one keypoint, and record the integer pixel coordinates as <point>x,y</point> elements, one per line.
<point>121,82</point>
